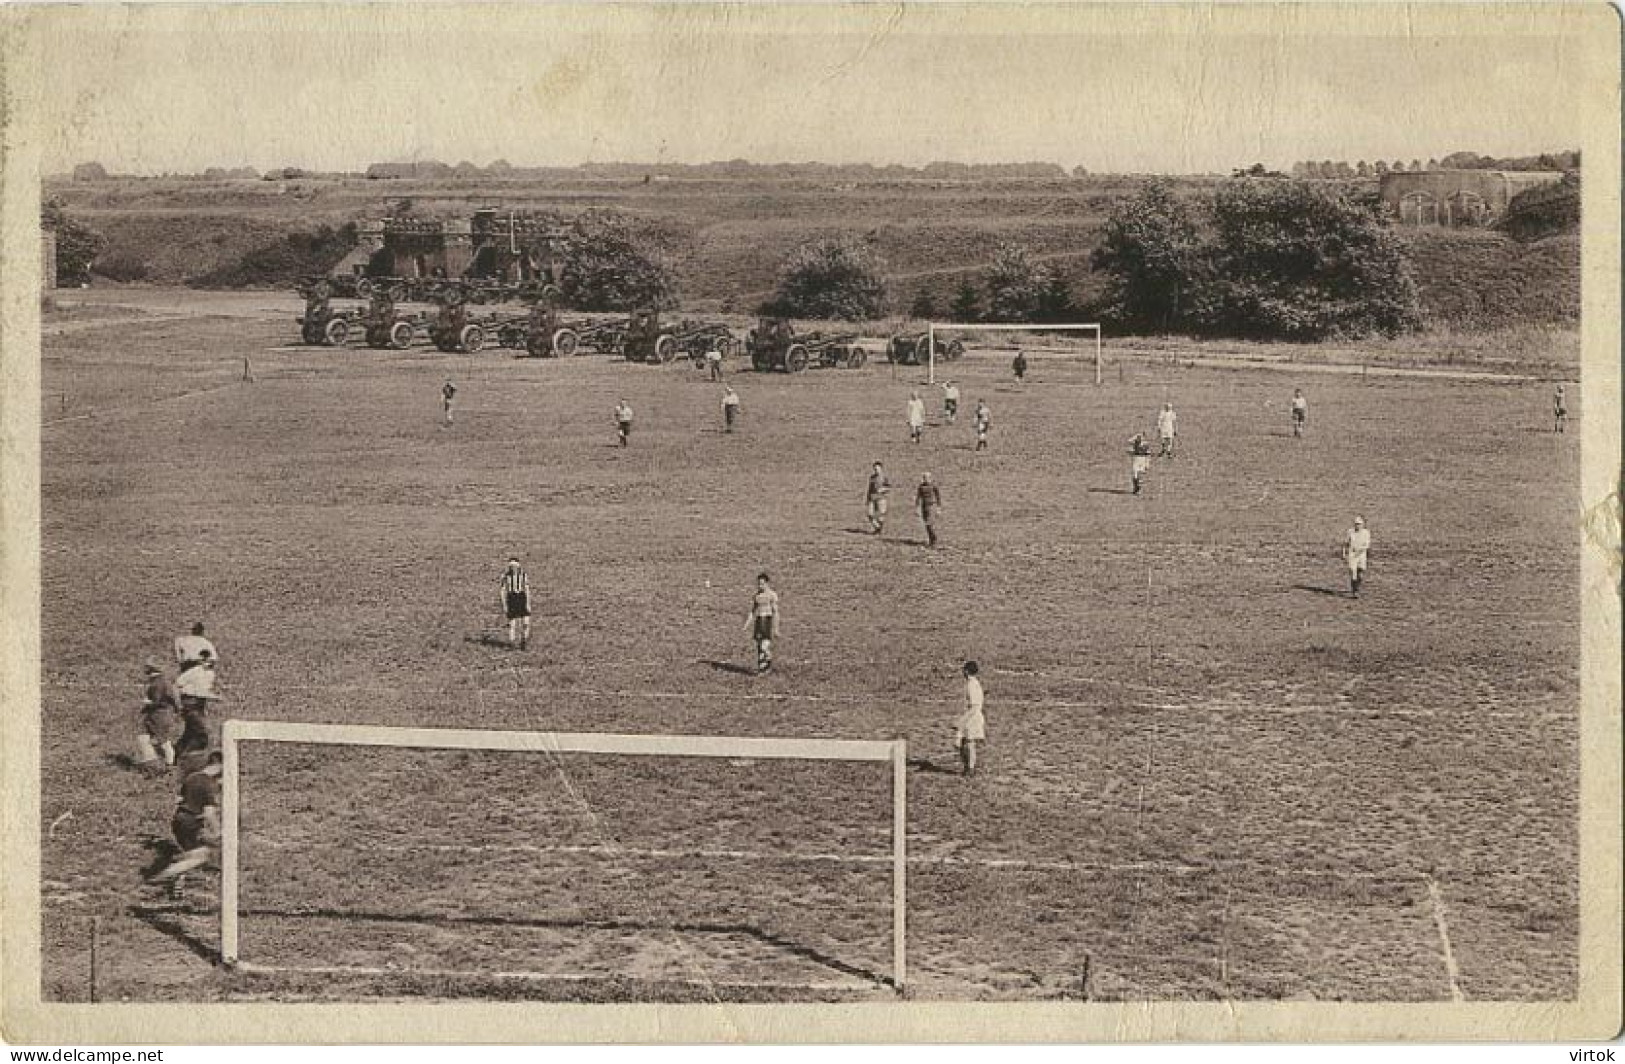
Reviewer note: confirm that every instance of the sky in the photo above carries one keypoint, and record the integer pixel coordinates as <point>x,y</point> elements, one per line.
<point>1114,88</point>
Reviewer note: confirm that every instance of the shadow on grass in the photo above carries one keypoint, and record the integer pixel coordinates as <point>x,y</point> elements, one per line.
<point>1335,592</point>
<point>498,640</point>
<point>730,666</point>
<point>1111,491</point>
<point>171,920</point>
<point>925,764</point>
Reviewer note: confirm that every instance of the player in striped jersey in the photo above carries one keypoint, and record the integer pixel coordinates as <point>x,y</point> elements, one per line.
<point>448,392</point>
<point>516,603</point>
<point>764,621</point>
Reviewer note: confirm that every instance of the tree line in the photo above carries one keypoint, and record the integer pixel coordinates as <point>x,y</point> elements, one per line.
<point>1461,160</point>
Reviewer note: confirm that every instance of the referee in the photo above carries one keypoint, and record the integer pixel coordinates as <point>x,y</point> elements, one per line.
<point>516,603</point>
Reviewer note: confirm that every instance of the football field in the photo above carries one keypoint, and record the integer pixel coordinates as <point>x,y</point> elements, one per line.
<point>1210,774</point>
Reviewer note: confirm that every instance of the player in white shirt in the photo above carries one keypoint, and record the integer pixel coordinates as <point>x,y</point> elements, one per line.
<point>950,402</point>
<point>1355,547</point>
<point>916,416</point>
<point>1300,411</point>
<point>970,730</point>
<point>730,407</point>
<point>623,421</point>
<point>1166,431</point>
<point>193,648</point>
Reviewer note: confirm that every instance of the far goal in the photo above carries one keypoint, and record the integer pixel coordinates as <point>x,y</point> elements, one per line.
<point>1077,341</point>
<point>588,866</point>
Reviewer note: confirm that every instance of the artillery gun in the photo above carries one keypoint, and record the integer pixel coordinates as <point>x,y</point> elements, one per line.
<point>775,345</point>
<point>451,330</point>
<point>914,349</point>
<point>604,336</point>
<point>647,340</point>
<point>322,324</point>
<point>540,333</point>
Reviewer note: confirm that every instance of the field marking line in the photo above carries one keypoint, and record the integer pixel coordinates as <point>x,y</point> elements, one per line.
<point>564,977</point>
<point>1450,968</point>
<point>1007,863</point>
<point>118,411</point>
<point>141,318</point>
<point>1307,709</point>
<point>683,951</point>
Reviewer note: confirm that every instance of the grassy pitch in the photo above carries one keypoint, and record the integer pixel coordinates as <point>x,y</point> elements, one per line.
<point>1209,773</point>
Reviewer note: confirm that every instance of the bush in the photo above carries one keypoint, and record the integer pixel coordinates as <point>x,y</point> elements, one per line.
<point>285,261</point>
<point>1153,256</point>
<point>836,278</point>
<point>1016,286</point>
<point>604,265</point>
<point>1544,211</point>
<point>122,266</point>
<point>967,304</point>
<point>1276,260</point>
<point>1295,261</point>
<point>76,245</point>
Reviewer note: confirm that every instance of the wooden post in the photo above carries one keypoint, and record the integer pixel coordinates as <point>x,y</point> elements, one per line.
<point>95,934</point>
<point>931,353</point>
<point>899,895</point>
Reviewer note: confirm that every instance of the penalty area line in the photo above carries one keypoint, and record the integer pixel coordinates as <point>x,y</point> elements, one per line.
<point>923,860</point>
<point>1452,972</point>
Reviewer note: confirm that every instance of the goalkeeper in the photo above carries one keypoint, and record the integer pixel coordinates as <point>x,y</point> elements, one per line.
<point>196,823</point>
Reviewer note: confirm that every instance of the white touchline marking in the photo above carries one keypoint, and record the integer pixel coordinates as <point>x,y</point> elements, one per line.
<point>1450,968</point>
<point>545,977</point>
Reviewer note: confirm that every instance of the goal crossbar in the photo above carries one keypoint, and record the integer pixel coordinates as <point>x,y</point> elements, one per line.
<point>952,326</point>
<point>236,732</point>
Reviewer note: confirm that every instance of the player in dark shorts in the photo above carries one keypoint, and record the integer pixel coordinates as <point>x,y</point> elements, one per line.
<point>160,711</point>
<point>764,621</point>
<point>623,421</point>
<point>1018,366</point>
<point>928,503</point>
<point>196,823</point>
<point>516,604</point>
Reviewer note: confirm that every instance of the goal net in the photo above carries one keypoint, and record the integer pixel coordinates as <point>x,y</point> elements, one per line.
<point>1061,344</point>
<point>585,866</point>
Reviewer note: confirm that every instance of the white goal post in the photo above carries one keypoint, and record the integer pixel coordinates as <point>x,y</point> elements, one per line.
<point>236,732</point>
<point>932,327</point>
